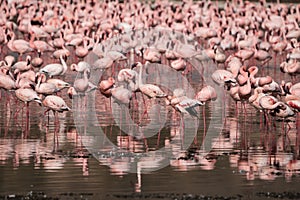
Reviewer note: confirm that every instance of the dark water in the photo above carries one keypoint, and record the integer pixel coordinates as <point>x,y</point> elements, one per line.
<point>90,153</point>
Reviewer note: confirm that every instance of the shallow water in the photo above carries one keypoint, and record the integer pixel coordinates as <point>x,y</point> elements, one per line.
<point>91,153</point>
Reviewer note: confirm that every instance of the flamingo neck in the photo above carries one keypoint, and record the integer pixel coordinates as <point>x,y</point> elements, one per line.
<point>64,64</point>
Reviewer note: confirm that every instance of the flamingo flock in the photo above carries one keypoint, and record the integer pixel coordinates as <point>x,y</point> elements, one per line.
<point>40,39</point>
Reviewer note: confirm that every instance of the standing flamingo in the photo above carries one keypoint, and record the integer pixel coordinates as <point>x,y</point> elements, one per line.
<point>27,95</point>
<point>20,46</point>
<point>43,87</point>
<point>56,104</point>
<point>55,69</point>
<point>149,90</point>
<point>81,85</point>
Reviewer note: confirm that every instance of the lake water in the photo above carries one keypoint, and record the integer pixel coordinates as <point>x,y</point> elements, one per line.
<point>103,150</point>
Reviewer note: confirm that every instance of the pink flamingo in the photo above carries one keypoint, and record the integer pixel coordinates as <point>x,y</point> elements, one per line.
<point>244,54</point>
<point>262,56</point>
<point>290,88</point>
<point>105,86</point>
<point>20,46</point>
<point>292,68</point>
<point>149,90</point>
<point>27,95</point>
<point>184,104</point>
<point>80,66</point>
<point>37,62</point>
<point>268,103</point>
<point>223,77</point>
<point>6,81</point>
<point>178,64</point>
<point>9,60</point>
<point>55,69</point>
<point>82,51</point>
<point>71,92</point>
<point>39,45</point>
<point>43,87</point>
<point>255,98</point>
<point>293,101</point>
<point>22,66</point>
<point>121,94</point>
<point>81,85</point>
<point>59,84</point>
<point>56,104</point>
<point>61,52</point>
<point>151,54</point>
<point>129,76</point>
<point>207,93</point>
<point>233,65</point>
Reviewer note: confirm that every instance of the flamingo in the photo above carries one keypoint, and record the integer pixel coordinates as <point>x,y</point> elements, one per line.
<point>30,75</point>
<point>293,101</point>
<point>80,66</point>
<point>151,54</point>
<point>22,65</point>
<point>149,90</point>
<point>39,45</point>
<point>245,92</point>
<point>293,89</point>
<point>27,95</point>
<point>130,77</point>
<point>43,87</point>
<point>37,62</point>
<point>262,56</point>
<point>268,103</point>
<point>283,111</point>
<point>59,84</point>
<point>71,92</point>
<point>220,57</point>
<point>55,69</point>
<point>187,106</point>
<point>103,63</point>
<point>233,65</point>
<point>292,67</point>
<point>24,82</point>
<point>105,86</point>
<point>81,85</point>
<point>20,46</point>
<point>82,51</point>
<point>244,54</point>
<point>223,77</point>
<point>61,52</point>
<point>178,64</point>
<point>9,60</point>
<point>121,94</point>
<point>184,50</point>
<point>255,98</point>
<point>55,103</point>
<point>207,93</point>
<point>184,104</point>
<point>6,81</point>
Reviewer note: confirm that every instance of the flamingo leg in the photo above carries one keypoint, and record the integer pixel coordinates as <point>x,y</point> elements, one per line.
<point>27,120</point>
<point>204,122</point>
<point>56,129</point>
<point>298,131</point>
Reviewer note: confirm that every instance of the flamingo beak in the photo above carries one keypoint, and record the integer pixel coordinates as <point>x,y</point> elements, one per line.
<point>134,65</point>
